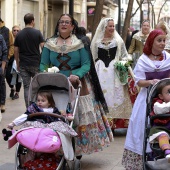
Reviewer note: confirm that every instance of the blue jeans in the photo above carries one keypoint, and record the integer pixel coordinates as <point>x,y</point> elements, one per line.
<point>27,73</point>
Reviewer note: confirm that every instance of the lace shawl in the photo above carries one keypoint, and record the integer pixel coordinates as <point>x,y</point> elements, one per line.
<point>76,45</point>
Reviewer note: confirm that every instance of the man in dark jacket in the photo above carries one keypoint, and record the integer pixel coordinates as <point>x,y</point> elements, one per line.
<point>3,60</point>
<point>9,40</point>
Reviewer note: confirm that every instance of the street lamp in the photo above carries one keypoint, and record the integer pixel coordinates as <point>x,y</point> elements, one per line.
<point>119,17</point>
<point>152,2</point>
<point>71,7</point>
<point>122,11</point>
<point>122,19</point>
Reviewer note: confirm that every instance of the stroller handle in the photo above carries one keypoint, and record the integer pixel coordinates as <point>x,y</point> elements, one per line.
<point>46,113</point>
<point>79,83</point>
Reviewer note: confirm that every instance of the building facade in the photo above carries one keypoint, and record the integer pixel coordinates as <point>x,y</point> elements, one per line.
<point>47,12</point>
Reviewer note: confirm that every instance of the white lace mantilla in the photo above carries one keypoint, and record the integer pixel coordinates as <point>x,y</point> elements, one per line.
<point>76,45</point>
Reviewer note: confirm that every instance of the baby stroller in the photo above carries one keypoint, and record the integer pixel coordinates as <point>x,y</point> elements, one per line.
<point>153,156</point>
<point>63,94</point>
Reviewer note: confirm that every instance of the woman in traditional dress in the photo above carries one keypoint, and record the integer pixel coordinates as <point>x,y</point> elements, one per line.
<point>165,27</point>
<point>108,48</point>
<point>138,41</point>
<point>153,65</point>
<point>65,51</point>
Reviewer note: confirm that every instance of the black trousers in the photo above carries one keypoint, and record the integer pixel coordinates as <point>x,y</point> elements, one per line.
<point>2,88</point>
<point>9,78</point>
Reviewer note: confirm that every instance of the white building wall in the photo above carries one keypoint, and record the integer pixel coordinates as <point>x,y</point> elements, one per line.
<point>7,12</point>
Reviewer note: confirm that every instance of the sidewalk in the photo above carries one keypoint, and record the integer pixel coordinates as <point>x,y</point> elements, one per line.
<point>108,159</point>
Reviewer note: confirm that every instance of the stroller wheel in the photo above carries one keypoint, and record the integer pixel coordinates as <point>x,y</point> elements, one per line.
<point>77,164</point>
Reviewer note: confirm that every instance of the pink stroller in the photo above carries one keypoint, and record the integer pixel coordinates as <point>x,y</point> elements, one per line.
<point>48,146</point>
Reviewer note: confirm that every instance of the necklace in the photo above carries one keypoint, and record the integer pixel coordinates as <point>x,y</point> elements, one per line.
<point>64,46</point>
<point>106,42</point>
<point>156,56</point>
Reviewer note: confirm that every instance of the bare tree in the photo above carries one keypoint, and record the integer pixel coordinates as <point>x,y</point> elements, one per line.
<point>161,10</point>
<point>97,15</point>
<point>127,20</point>
<point>140,5</point>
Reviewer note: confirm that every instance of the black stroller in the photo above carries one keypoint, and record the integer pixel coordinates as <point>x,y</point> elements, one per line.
<point>153,156</point>
<point>63,93</point>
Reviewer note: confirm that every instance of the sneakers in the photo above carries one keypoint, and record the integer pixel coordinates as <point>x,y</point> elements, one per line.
<point>2,108</point>
<point>16,96</point>
<point>12,93</point>
<point>167,154</point>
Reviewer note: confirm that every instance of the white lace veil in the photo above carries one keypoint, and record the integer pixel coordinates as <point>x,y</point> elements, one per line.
<point>98,37</point>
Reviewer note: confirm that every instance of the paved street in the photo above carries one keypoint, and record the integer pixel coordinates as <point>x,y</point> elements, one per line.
<point>108,159</point>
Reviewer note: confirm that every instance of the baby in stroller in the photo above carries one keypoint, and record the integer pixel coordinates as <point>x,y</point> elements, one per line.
<point>45,103</point>
<point>46,127</point>
<point>160,130</point>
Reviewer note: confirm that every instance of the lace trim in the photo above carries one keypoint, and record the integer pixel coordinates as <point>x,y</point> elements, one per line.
<point>111,45</point>
<point>123,110</point>
<point>76,45</point>
<point>85,103</point>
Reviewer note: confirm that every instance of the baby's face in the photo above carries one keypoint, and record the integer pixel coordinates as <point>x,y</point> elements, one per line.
<point>42,102</point>
<point>165,94</point>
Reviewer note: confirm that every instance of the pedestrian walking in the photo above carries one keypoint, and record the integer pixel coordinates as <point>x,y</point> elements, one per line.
<point>81,34</point>
<point>12,75</point>
<point>65,51</point>
<point>9,40</point>
<point>165,27</point>
<point>138,41</point>
<point>27,52</point>
<point>152,66</point>
<point>108,48</point>
<point>3,61</point>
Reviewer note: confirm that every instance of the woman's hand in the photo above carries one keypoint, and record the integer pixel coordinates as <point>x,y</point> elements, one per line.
<point>147,83</point>
<point>154,81</point>
<point>73,79</point>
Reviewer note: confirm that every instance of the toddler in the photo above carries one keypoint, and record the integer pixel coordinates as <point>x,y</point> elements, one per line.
<point>44,103</point>
<point>161,129</point>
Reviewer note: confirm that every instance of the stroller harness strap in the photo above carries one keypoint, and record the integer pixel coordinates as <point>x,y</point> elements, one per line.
<point>63,63</point>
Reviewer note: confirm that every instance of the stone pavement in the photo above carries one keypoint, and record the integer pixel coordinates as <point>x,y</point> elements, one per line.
<point>108,159</point>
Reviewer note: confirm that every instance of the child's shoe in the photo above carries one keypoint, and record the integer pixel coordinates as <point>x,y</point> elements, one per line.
<point>167,154</point>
